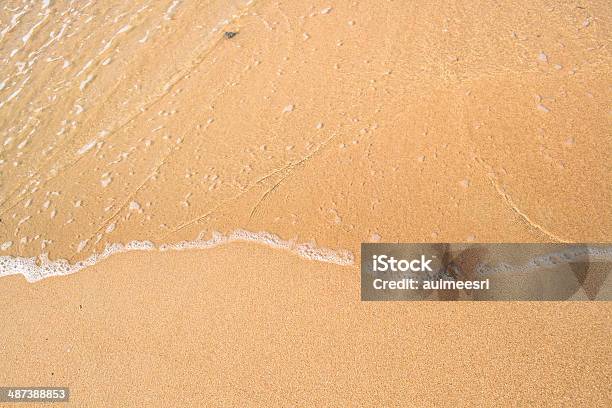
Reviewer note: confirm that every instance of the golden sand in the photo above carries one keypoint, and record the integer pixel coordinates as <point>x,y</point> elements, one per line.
<point>414,122</point>
<point>245,325</point>
<point>329,124</point>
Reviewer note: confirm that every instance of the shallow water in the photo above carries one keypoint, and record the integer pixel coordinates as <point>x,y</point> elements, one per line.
<point>141,121</point>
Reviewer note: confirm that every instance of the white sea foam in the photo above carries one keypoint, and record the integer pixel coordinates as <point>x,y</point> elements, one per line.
<point>38,268</point>
<point>86,81</point>
<point>87,147</point>
<point>172,10</point>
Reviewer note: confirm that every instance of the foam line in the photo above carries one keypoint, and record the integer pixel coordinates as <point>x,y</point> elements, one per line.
<point>575,254</point>
<point>40,267</point>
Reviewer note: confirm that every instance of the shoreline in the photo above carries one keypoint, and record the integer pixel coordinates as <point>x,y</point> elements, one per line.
<point>40,267</point>
<point>214,171</point>
<point>244,324</point>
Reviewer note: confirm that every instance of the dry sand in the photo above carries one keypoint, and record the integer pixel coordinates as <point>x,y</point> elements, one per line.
<point>246,325</point>
<point>329,124</point>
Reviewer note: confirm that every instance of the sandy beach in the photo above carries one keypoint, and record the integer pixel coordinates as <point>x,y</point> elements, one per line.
<point>245,325</point>
<point>267,140</point>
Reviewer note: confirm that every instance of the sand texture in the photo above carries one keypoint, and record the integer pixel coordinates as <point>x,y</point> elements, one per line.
<point>208,328</point>
<point>305,128</point>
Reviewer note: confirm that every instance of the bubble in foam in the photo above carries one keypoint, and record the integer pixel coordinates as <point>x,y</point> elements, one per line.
<point>542,56</point>
<point>106,181</point>
<point>82,245</point>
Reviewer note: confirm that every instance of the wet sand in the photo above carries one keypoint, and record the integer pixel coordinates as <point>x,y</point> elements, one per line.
<point>247,325</point>
<point>404,122</point>
<point>323,124</point>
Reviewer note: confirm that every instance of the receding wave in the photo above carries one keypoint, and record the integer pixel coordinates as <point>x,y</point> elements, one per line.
<point>41,267</point>
<point>574,254</point>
